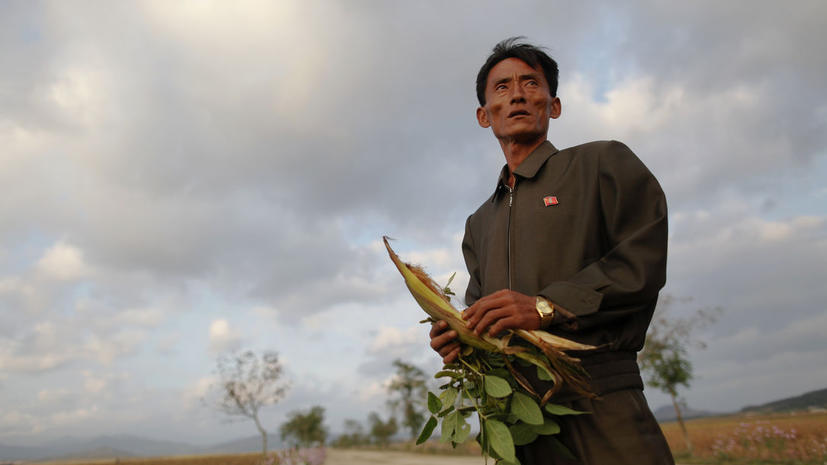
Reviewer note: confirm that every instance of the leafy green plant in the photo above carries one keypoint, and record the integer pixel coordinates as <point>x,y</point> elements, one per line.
<point>486,381</point>
<point>486,384</point>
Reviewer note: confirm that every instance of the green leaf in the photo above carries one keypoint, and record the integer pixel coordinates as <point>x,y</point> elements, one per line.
<point>526,409</point>
<point>496,386</point>
<point>548,427</point>
<point>449,426</point>
<point>446,373</point>
<point>556,409</point>
<point>427,431</point>
<point>543,374</point>
<point>501,372</point>
<point>522,434</point>
<point>448,396</point>
<point>446,411</point>
<point>447,290</point>
<point>434,404</point>
<point>499,437</point>
<point>463,429</point>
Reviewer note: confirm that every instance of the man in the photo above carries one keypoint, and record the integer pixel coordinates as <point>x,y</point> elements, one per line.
<point>573,242</point>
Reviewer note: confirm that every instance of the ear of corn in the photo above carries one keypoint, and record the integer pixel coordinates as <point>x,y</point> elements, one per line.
<point>549,355</point>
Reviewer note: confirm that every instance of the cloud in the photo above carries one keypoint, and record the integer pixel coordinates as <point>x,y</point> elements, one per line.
<point>63,261</point>
<point>53,395</point>
<point>167,164</point>
<point>222,337</point>
<point>16,422</point>
<point>388,339</point>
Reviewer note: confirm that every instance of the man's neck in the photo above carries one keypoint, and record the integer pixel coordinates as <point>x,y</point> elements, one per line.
<point>515,153</point>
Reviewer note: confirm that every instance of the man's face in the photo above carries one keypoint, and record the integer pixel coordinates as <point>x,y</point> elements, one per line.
<point>518,103</point>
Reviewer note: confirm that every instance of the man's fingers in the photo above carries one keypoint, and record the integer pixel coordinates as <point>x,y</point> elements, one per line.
<point>452,356</point>
<point>481,306</point>
<point>478,311</point>
<point>488,319</point>
<point>442,339</point>
<point>502,324</point>
<point>437,328</point>
<point>446,350</point>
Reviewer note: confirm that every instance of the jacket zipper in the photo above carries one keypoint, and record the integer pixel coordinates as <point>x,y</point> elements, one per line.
<point>508,234</point>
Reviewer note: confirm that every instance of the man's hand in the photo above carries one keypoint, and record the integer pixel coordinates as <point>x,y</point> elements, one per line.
<point>444,341</point>
<point>502,310</point>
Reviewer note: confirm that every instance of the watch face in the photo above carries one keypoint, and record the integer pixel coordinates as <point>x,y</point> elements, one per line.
<point>543,307</point>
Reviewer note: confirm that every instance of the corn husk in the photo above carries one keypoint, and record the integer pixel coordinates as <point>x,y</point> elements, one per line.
<point>559,366</point>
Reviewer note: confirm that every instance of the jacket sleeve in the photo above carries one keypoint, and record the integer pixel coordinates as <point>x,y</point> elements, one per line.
<point>632,271</point>
<point>472,292</point>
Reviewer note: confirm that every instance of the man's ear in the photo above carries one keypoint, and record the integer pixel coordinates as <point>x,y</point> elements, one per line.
<point>556,108</point>
<point>482,118</point>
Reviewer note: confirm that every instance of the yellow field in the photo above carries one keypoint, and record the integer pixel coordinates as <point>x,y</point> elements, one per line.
<point>790,439</point>
<point>235,459</point>
<point>799,438</point>
<point>334,457</point>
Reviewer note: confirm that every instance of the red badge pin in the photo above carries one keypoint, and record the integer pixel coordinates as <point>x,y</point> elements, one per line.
<point>550,200</point>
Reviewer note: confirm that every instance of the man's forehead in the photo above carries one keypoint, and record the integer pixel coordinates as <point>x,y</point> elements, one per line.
<point>510,66</point>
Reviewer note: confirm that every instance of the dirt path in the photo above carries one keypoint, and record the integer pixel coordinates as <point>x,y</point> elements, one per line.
<point>367,457</point>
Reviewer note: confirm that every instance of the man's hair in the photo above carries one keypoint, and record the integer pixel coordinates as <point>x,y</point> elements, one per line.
<point>512,48</point>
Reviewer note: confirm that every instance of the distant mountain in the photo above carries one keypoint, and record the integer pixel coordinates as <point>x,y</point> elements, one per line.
<point>128,446</point>
<point>136,445</point>
<point>8,453</point>
<point>96,453</point>
<point>667,413</point>
<point>114,446</point>
<point>240,446</point>
<point>816,399</point>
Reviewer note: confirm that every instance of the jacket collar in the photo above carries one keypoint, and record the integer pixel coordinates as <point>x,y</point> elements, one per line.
<point>528,168</point>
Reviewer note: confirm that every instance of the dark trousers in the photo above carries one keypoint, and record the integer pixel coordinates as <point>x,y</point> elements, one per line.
<point>620,430</point>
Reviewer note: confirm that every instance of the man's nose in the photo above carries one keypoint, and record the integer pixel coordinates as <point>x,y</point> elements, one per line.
<point>517,94</point>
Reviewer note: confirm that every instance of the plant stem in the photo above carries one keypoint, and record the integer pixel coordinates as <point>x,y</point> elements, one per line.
<point>469,366</point>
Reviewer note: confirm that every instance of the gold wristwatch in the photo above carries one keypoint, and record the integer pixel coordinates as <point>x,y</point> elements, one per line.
<point>546,311</point>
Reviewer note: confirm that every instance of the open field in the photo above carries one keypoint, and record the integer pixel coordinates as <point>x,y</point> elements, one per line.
<point>799,438</point>
<point>790,439</point>
<point>334,457</point>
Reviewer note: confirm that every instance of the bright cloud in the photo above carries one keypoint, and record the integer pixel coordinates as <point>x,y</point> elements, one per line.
<point>222,337</point>
<point>63,261</point>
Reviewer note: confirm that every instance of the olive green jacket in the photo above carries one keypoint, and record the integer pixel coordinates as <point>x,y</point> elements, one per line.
<point>585,227</point>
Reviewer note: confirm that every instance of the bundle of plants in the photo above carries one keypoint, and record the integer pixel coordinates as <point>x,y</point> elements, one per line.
<point>489,378</point>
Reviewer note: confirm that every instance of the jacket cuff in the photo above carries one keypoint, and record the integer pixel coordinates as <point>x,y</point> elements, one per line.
<point>578,300</point>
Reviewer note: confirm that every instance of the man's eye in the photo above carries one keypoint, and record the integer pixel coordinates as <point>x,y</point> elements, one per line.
<point>532,83</point>
<point>501,87</point>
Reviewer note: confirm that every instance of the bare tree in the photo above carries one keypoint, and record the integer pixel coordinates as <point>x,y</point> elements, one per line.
<point>247,383</point>
<point>664,357</point>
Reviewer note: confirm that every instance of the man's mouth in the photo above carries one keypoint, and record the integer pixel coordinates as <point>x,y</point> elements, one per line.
<point>518,113</point>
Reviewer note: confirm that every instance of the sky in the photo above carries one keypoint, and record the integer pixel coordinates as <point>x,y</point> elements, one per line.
<point>184,179</point>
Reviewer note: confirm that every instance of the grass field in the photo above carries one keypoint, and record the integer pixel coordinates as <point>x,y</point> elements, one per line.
<point>789,439</point>
<point>334,457</point>
<point>753,439</point>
